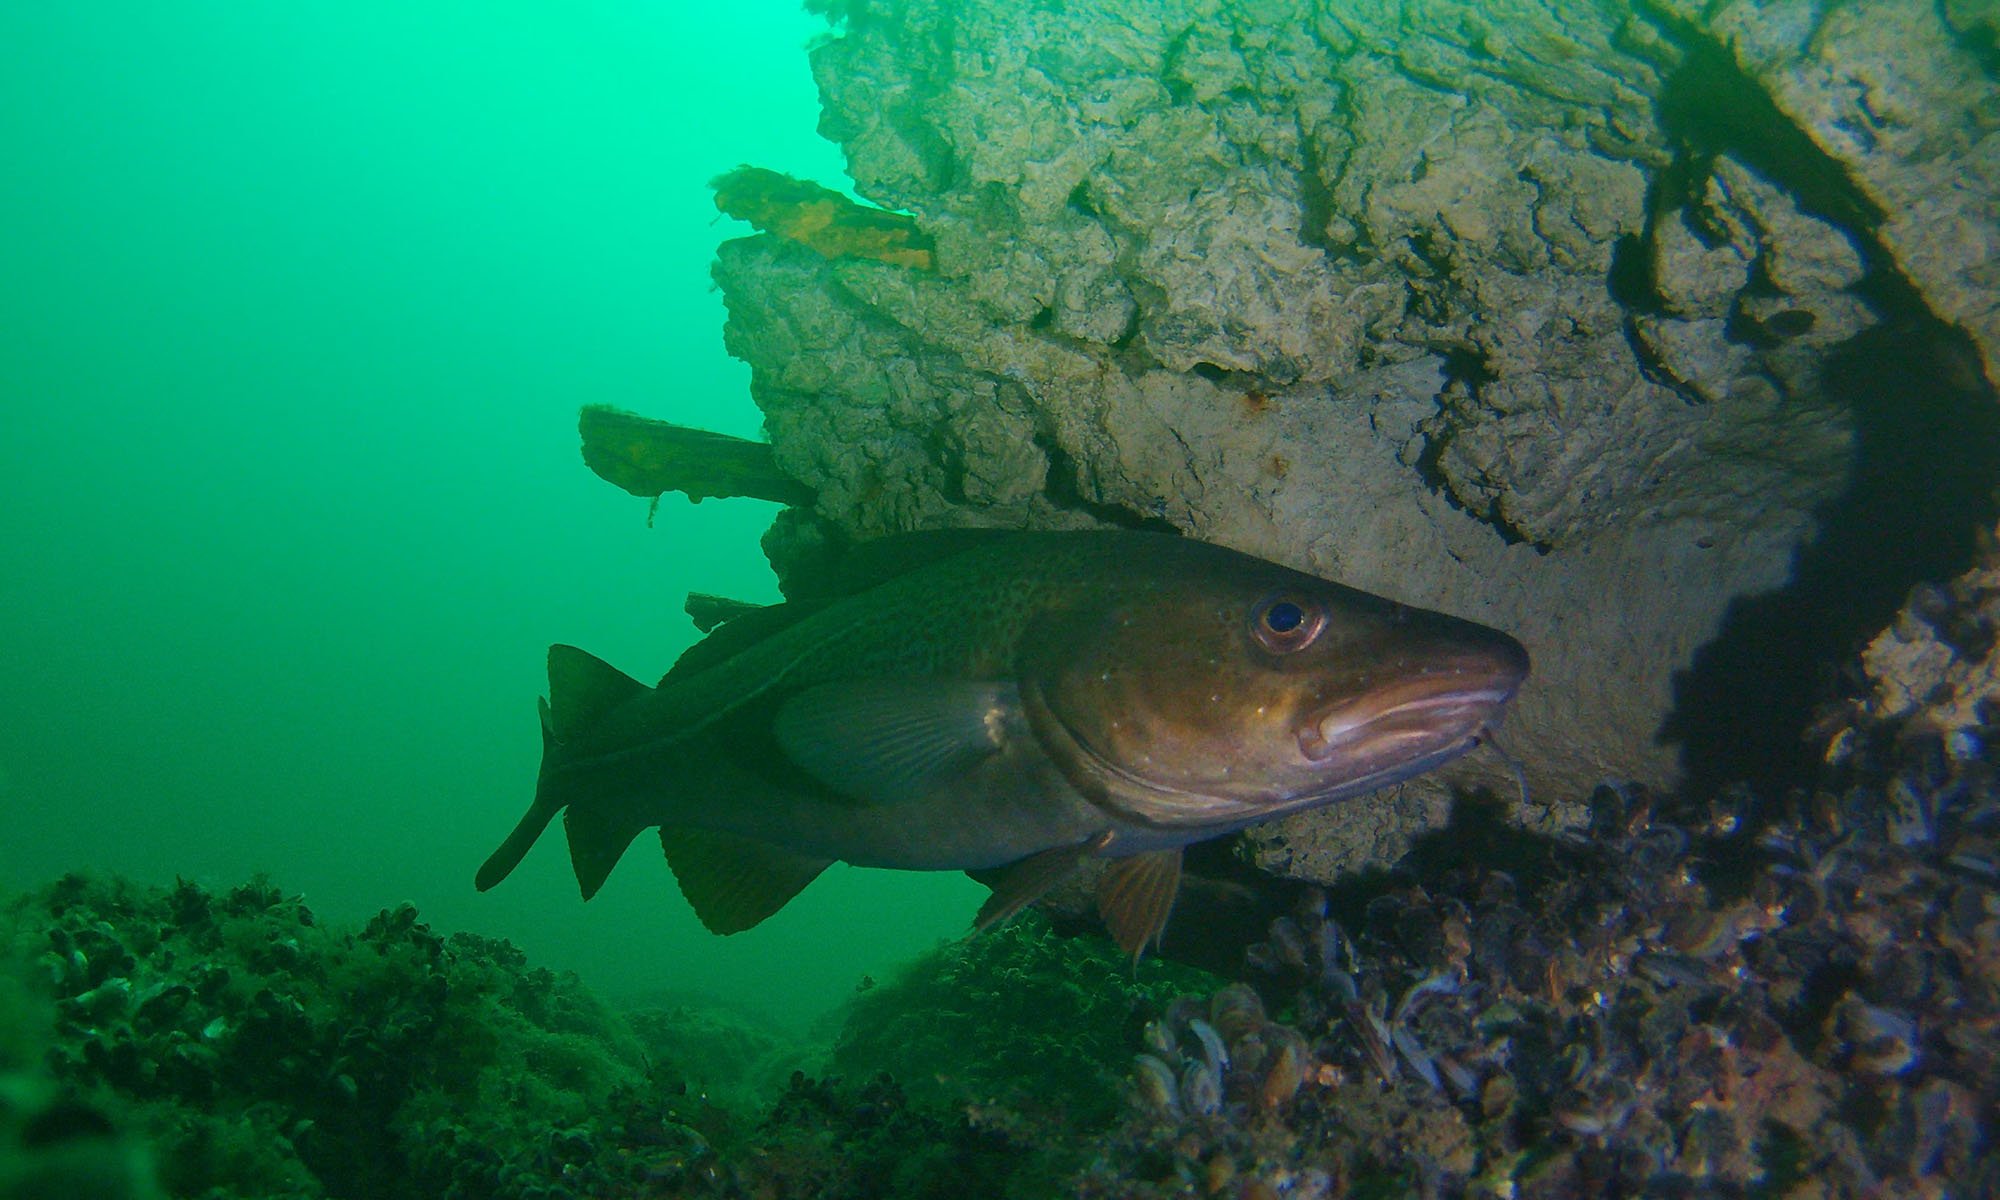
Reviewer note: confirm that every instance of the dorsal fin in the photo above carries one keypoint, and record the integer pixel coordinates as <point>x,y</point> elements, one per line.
<point>863,565</point>
<point>734,882</point>
<point>855,568</point>
<point>745,629</point>
<point>582,688</point>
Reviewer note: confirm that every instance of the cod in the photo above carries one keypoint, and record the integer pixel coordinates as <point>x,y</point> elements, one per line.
<point>1012,705</point>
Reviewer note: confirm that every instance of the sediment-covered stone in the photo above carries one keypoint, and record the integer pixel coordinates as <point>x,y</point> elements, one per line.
<point>1502,311</point>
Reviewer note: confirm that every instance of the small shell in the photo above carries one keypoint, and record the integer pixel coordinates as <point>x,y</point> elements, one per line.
<point>1340,984</point>
<point>1373,1034</point>
<point>1885,1040</point>
<point>1201,1091</point>
<point>1444,983</point>
<point>1219,1174</point>
<point>1459,1077</point>
<point>1212,1049</point>
<point>1419,1059</point>
<point>105,1002</point>
<point>1289,944</point>
<point>1154,1080</point>
<point>1336,949</point>
<point>1236,1010</point>
<point>1290,1064</point>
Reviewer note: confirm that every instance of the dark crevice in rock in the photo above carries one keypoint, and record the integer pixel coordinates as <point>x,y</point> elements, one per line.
<point>1746,329</point>
<point>1975,32</point>
<point>938,448</point>
<point>1654,366</point>
<point>1926,448</point>
<point>1128,338</point>
<point>1677,189</point>
<point>1178,89</point>
<point>1238,381</point>
<point>1466,367</point>
<point>1772,330</point>
<point>1430,252</point>
<point>1425,305</point>
<point>1315,198</point>
<point>1633,280</point>
<point>940,161</point>
<point>1926,466</point>
<point>1063,488</point>
<point>1712,105</point>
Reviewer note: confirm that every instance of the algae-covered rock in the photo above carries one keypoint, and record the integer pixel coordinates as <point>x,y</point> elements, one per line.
<point>1018,1018</point>
<point>1638,330</point>
<point>54,1147</point>
<point>182,1042</point>
<point>262,1053</point>
<point>720,1056</point>
<point>1937,666</point>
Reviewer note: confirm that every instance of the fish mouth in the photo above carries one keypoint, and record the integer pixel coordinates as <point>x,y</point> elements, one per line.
<point>1412,718</point>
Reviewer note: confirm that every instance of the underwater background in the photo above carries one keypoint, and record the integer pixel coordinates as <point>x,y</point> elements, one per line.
<point>1660,335</point>
<point>297,308</point>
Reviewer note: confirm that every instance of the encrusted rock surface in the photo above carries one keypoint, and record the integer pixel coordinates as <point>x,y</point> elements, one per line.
<point>1935,665</point>
<point>1517,311</point>
<point>1901,96</point>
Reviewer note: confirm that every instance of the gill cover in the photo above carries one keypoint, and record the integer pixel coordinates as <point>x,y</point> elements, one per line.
<point>1180,704</point>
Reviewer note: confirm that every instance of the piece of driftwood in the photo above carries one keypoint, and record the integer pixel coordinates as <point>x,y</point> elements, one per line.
<point>819,218</point>
<point>708,610</point>
<point>649,458</point>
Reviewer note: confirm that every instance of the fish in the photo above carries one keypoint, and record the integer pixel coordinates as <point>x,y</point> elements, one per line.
<point>1015,705</point>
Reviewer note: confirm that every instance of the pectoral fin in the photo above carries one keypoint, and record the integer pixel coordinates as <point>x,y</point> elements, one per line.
<point>1020,884</point>
<point>881,741</point>
<point>733,882</point>
<point>1135,897</point>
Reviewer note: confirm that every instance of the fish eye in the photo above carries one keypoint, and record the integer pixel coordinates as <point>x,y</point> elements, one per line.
<point>1287,623</point>
<point>1283,616</point>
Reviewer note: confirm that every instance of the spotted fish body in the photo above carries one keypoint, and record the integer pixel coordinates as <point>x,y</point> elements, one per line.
<point>1028,703</point>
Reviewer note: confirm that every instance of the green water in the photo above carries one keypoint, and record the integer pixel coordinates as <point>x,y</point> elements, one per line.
<point>297,306</point>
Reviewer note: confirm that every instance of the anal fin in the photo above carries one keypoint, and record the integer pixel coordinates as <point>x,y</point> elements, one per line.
<point>1020,884</point>
<point>1135,897</point>
<point>734,882</point>
<point>598,837</point>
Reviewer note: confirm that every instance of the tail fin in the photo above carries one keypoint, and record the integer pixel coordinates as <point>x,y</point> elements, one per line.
<point>501,862</point>
<point>582,688</point>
